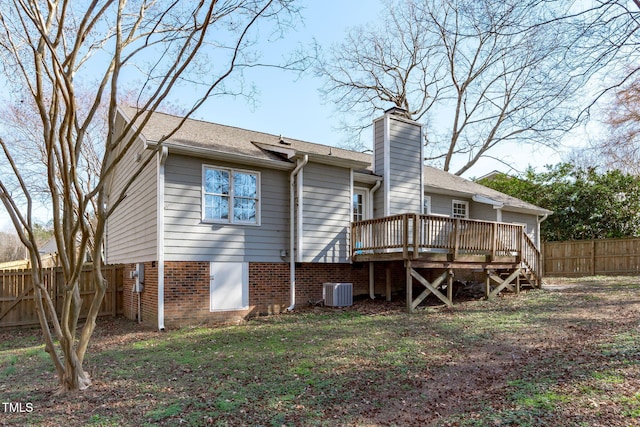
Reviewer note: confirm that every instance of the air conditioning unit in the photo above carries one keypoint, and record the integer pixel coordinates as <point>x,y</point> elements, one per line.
<point>337,294</point>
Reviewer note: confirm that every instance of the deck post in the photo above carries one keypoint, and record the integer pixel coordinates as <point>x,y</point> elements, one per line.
<point>417,225</point>
<point>519,257</point>
<point>487,284</point>
<point>388,282</point>
<point>494,241</point>
<point>456,237</point>
<point>450,286</point>
<point>409,279</point>
<point>405,236</point>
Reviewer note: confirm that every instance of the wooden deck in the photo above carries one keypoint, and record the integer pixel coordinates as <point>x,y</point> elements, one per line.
<point>502,250</point>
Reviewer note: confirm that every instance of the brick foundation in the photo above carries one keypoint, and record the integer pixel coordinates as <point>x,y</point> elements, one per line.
<point>186,290</point>
<point>148,298</point>
<point>311,276</point>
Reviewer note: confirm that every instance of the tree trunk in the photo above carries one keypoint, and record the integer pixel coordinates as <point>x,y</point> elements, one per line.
<point>74,378</point>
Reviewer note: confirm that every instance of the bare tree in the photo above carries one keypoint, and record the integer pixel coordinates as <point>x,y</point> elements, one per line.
<point>617,145</point>
<point>605,39</point>
<point>11,248</point>
<point>605,36</point>
<point>50,50</point>
<point>621,149</point>
<point>477,73</point>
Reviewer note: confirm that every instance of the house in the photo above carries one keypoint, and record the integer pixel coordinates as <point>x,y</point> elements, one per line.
<point>226,223</point>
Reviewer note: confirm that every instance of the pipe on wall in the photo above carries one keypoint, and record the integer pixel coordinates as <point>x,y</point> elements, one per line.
<point>292,228</point>
<point>162,158</point>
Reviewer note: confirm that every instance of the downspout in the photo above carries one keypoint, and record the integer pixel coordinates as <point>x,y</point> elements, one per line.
<point>539,238</point>
<point>292,228</point>
<point>162,158</point>
<point>371,265</point>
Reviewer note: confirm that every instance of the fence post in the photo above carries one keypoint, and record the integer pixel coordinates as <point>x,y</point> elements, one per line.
<point>593,257</point>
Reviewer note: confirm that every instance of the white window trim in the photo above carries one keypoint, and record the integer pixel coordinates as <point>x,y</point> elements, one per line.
<point>466,208</point>
<point>230,221</point>
<point>365,202</point>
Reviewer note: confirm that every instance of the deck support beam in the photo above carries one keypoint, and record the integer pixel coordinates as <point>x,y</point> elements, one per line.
<point>388,282</point>
<point>502,283</point>
<point>409,285</point>
<point>431,288</point>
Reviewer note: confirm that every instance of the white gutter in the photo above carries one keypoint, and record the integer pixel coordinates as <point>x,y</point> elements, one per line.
<point>488,201</point>
<point>292,228</point>
<point>300,211</point>
<point>539,220</point>
<point>162,158</point>
<point>371,264</point>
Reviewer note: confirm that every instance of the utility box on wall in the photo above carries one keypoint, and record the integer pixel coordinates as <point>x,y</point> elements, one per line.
<point>337,294</point>
<point>138,274</point>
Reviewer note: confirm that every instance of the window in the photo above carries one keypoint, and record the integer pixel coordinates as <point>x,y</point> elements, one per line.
<point>426,205</point>
<point>459,209</point>
<point>231,196</point>
<point>359,205</point>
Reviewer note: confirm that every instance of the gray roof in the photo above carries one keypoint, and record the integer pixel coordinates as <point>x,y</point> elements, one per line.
<point>231,140</point>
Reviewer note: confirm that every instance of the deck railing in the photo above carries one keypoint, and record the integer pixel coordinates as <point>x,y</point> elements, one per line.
<point>415,234</point>
<point>531,257</point>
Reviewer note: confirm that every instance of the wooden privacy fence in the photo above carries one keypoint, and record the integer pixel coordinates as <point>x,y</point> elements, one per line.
<point>17,298</point>
<point>592,257</point>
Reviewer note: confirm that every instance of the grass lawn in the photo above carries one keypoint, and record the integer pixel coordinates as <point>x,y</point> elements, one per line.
<point>567,355</point>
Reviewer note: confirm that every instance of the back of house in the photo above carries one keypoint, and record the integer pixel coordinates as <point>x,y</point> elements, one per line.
<point>222,223</point>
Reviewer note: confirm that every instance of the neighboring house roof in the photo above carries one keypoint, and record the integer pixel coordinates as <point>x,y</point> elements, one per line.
<point>215,140</point>
<point>491,175</point>
<point>50,246</point>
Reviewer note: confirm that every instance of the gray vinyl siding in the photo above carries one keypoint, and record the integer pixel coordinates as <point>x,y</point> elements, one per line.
<point>522,218</point>
<point>378,146</point>
<point>405,168</point>
<point>401,193</point>
<point>482,211</point>
<point>132,228</point>
<point>326,213</point>
<point>188,238</point>
<point>441,204</point>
